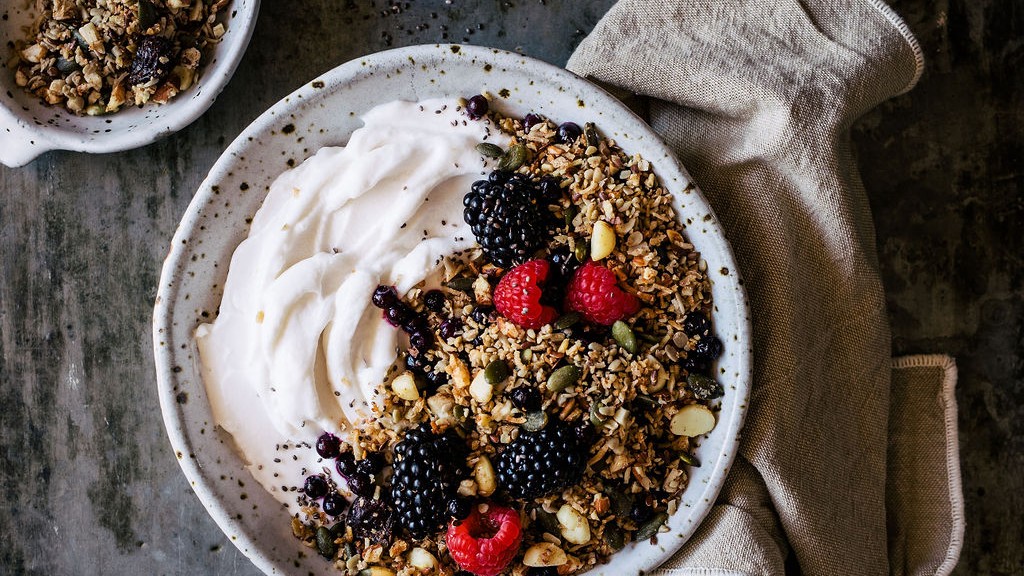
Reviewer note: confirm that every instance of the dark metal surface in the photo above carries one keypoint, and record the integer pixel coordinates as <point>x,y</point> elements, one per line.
<point>89,483</point>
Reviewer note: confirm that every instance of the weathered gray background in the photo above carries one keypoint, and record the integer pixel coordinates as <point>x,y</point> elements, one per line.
<point>89,484</point>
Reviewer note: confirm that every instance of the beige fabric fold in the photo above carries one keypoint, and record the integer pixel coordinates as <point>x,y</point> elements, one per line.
<point>757,97</point>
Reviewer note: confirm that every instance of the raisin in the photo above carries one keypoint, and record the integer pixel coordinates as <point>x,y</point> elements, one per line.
<point>152,60</point>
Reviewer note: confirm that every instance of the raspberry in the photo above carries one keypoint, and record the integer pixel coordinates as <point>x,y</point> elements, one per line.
<point>518,293</point>
<point>593,293</point>
<point>485,542</point>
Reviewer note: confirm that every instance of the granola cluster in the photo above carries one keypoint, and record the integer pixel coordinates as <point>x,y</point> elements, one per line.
<point>633,394</point>
<point>96,56</point>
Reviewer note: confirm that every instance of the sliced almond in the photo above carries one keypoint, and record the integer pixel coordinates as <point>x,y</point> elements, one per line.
<point>544,554</point>
<point>486,479</point>
<point>603,241</point>
<point>404,386</point>
<point>692,420</point>
<point>422,559</point>
<point>574,526</point>
<point>481,390</point>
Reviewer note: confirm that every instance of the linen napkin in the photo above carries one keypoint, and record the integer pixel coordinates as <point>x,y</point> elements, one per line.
<point>849,461</point>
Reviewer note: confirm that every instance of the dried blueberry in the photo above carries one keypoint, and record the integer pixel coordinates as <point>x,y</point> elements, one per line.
<point>416,362</point>
<point>435,379</point>
<point>709,348</point>
<point>346,464</point>
<point>640,512</point>
<point>384,296</point>
<point>551,190</point>
<point>693,364</point>
<point>334,504</point>
<point>152,61</point>
<point>450,328</point>
<point>434,300</point>
<point>477,106</point>
<point>481,314</point>
<point>398,314</point>
<point>568,132</point>
<point>328,445</point>
<point>526,398</point>
<point>421,339</point>
<point>531,120</point>
<point>315,486</point>
<point>696,324</point>
<point>360,484</point>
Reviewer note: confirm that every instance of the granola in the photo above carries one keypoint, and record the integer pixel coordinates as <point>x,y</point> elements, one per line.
<point>481,391</point>
<point>97,56</point>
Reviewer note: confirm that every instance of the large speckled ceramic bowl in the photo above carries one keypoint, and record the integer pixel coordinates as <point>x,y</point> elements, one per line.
<point>325,112</point>
<point>29,128</point>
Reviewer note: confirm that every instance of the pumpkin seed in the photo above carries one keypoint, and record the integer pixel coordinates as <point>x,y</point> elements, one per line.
<point>623,334</point>
<point>66,66</point>
<point>563,378</point>
<point>645,402</point>
<point>689,460</point>
<point>526,355</point>
<point>325,542</point>
<point>535,421</point>
<point>581,251</point>
<point>490,150</point>
<point>596,418</point>
<point>462,284</point>
<point>548,522</point>
<point>648,529</point>
<point>496,372</point>
<point>147,14</point>
<point>566,320</point>
<point>513,158</point>
<point>621,502</point>
<point>590,131</point>
<point>570,212</point>
<point>615,536</point>
<point>704,387</point>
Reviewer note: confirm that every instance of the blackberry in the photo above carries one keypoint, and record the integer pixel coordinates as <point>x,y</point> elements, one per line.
<point>427,470</point>
<point>539,463</point>
<point>508,216</point>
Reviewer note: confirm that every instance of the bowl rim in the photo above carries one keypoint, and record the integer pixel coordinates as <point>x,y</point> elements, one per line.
<point>163,314</point>
<point>23,137</point>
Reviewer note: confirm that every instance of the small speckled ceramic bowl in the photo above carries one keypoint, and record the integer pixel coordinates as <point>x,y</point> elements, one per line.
<point>325,112</point>
<point>29,128</point>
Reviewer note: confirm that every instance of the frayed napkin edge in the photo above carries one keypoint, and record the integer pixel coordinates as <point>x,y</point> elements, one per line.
<point>956,494</point>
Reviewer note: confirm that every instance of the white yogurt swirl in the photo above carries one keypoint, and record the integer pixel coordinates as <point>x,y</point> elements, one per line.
<point>297,348</point>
